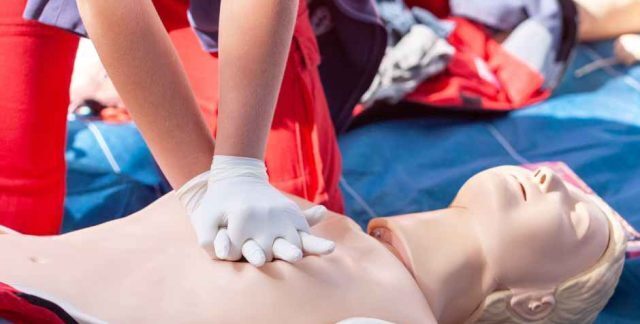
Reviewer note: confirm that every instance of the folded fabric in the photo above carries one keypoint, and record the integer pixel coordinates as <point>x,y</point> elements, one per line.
<point>485,75</point>
<point>397,19</point>
<point>540,17</point>
<point>419,54</point>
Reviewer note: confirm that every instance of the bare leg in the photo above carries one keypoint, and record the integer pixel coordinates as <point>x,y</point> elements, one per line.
<point>603,19</point>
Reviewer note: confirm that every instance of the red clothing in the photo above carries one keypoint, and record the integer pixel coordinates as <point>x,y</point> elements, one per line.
<point>482,75</point>
<point>464,83</point>
<point>439,8</point>
<point>302,154</point>
<point>17,307</point>
<point>35,71</point>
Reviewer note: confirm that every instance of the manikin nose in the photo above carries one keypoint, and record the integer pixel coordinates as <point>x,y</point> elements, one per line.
<point>547,180</point>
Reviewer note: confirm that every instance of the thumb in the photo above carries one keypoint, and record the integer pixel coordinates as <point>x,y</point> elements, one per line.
<point>315,215</point>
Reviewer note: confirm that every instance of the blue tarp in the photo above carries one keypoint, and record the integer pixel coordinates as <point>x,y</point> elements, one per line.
<point>592,123</point>
<point>110,173</point>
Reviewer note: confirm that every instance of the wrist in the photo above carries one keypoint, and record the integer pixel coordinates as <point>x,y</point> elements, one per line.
<point>191,193</point>
<point>226,166</point>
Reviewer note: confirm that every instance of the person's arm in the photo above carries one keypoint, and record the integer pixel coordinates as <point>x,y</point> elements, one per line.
<point>255,36</point>
<point>234,210</point>
<point>144,67</point>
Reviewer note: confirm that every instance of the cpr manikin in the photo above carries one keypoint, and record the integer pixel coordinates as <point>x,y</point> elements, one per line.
<point>514,246</point>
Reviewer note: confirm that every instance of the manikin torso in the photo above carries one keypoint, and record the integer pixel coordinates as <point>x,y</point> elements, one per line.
<point>148,268</point>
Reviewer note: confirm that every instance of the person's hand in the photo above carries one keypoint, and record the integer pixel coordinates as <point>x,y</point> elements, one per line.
<point>236,213</point>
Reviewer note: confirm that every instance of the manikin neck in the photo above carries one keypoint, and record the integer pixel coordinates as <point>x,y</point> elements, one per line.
<point>442,251</point>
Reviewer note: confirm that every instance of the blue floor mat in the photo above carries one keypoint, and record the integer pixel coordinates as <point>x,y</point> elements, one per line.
<point>591,123</point>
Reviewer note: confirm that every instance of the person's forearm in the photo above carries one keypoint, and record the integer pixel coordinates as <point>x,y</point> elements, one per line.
<point>145,69</point>
<point>255,37</point>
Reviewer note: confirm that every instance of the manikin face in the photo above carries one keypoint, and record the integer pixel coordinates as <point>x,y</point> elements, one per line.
<point>535,230</point>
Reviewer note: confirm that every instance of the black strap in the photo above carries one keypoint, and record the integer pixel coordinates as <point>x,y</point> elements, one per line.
<point>40,302</point>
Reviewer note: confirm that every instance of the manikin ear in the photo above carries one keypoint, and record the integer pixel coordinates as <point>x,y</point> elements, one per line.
<point>532,304</point>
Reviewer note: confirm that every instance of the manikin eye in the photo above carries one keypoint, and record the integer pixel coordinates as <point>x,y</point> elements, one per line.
<point>522,189</point>
<point>524,192</point>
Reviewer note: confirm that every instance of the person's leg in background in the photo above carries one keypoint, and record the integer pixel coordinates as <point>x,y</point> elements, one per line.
<point>603,19</point>
<point>302,156</point>
<point>35,71</point>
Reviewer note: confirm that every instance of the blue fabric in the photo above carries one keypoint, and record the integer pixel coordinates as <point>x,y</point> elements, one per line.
<point>591,123</point>
<point>110,173</point>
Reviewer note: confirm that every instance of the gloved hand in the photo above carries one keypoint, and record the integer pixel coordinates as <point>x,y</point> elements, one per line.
<point>236,212</point>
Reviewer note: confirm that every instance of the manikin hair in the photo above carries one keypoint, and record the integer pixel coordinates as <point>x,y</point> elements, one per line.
<point>579,299</point>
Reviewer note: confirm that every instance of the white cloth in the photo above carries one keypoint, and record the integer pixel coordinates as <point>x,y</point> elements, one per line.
<point>418,55</point>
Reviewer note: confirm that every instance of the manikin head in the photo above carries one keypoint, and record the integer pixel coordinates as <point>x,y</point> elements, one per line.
<point>554,252</point>
<point>551,252</point>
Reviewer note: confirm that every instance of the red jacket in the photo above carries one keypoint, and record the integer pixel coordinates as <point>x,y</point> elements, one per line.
<point>482,75</point>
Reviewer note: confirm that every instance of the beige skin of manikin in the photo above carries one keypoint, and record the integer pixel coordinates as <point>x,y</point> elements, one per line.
<point>437,265</point>
<point>507,229</point>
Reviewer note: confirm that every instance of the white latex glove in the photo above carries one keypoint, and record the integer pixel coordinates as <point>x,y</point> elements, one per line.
<point>236,212</point>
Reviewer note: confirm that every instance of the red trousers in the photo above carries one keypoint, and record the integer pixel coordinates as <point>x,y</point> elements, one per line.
<point>35,69</point>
